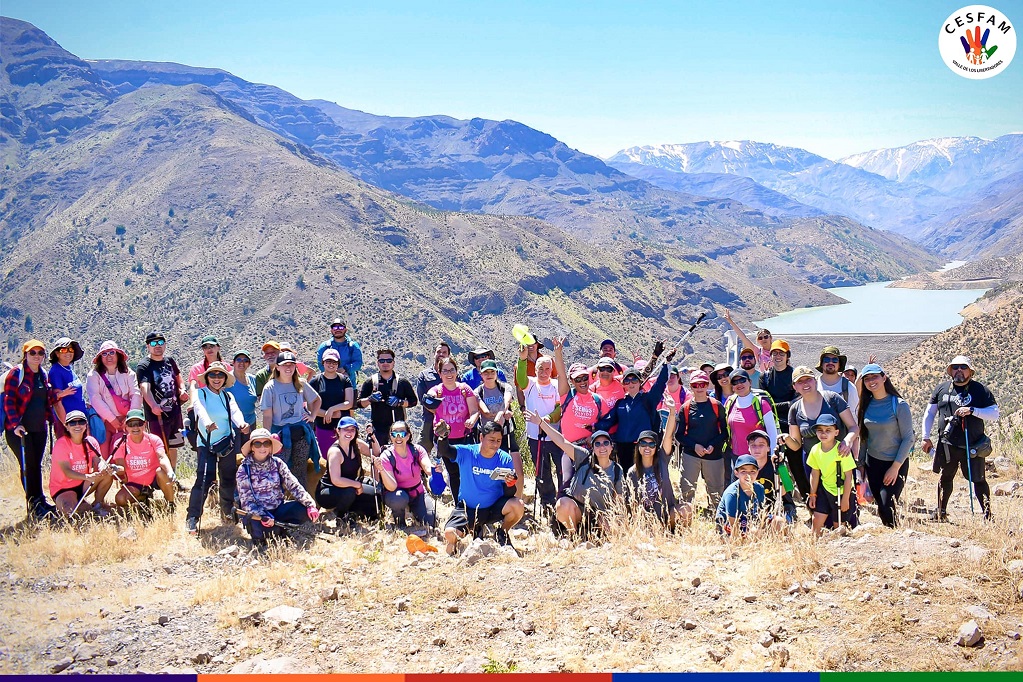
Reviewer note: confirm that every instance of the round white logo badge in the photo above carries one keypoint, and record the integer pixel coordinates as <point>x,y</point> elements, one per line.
<point>977,42</point>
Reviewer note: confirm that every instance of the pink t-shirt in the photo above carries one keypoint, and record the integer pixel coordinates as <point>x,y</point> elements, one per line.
<point>195,373</point>
<point>405,469</point>
<point>141,460</point>
<point>80,457</point>
<point>742,421</point>
<point>454,410</point>
<point>610,394</point>
<point>582,411</point>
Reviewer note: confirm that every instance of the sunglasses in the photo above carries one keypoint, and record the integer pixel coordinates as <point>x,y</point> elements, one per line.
<point>646,444</point>
<point>747,357</point>
<point>338,326</point>
<point>630,380</point>
<point>385,360</point>
<point>216,375</point>
<point>157,342</point>
<point>761,337</point>
<point>738,380</point>
<point>242,359</point>
<point>580,379</point>
<point>605,369</point>
<point>829,359</point>
<point>66,350</point>
<point>602,443</point>
<point>717,377</point>
<point>76,422</point>
<point>699,384</point>
<point>954,367</point>
<point>398,434</point>
<point>36,352</point>
<point>135,424</point>
<point>106,353</point>
<point>261,444</point>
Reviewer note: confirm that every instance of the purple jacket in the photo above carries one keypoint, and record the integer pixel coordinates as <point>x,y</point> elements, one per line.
<point>261,486</point>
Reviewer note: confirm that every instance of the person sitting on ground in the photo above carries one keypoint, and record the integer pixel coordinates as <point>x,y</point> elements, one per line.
<point>764,343</point>
<point>648,484</point>
<point>886,438</point>
<point>487,492</point>
<point>744,511</point>
<point>831,479</point>
<point>145,463</point>
<point>961,405</point>
<point>495,402</point>
<point>344,489</point>
<point>262,481</point>
<point>596,484</point>
<point>759,445</point>
<point>76,463</point>
<point>400,468</point>
<point>702,434</point>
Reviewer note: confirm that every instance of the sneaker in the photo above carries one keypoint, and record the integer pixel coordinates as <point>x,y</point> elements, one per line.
<point>192,526</point>
<point>502,538</point>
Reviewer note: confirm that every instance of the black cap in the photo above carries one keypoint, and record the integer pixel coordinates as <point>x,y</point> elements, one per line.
<point>739,373</point>
<point>155,336</point>
<point>648,434</point>
<point>286,356</point>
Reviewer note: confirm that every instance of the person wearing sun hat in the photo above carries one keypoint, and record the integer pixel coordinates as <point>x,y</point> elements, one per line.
<point>886,439</point>
<point>216,418</point>
<point>261,482</point>
<point>831,366</point>
<point>962,405</point>
<point>27,400</point>
<point>64,380</point>
<point>113,390</point>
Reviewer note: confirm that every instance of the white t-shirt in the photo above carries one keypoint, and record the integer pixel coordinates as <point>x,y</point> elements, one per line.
<point>853,399</point>
<point>539,399</point>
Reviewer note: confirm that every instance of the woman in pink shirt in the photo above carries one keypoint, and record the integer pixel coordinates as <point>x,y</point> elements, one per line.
<point>457,409</point>
<point>76,470</point>
<point>113,390</point>
<point>401,467</point>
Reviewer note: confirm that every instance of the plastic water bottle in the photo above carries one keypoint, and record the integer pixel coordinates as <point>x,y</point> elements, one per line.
<point>785,476</point>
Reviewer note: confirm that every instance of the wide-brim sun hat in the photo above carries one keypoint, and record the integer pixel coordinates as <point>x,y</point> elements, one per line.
<point>66,342</point>
<point>110,345</point>
<point>959,360</point>
<point>262,434</point>
<point>832,350</point>
<point>219,367</point>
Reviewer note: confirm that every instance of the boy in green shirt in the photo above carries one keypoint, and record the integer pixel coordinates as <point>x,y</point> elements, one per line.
<point>834,472</point>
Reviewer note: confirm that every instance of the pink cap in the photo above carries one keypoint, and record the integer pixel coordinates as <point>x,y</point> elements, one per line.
<point>697,377</point>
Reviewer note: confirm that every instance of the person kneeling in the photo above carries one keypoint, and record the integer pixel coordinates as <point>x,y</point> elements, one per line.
<point>832,470</point>
<point>487,491</point>
<point>401,468</point>
<point>262,481</point>
<point>145,463</point>
<point>742,512</point>
<point>76,461</point>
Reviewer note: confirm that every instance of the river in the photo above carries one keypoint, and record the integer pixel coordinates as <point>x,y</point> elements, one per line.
<point>876,309</point>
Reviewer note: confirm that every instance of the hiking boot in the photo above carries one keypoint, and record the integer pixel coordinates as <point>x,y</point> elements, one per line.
<point>502,537</point>
<point>939,516</point>
<point>192,526</point>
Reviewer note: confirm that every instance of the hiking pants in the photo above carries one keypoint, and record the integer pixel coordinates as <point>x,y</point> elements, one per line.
<point>713,471</point>
<point>454,478</point>
<point>346,500</point>
<point>886,496</point>
<point>399,502</point>
<point>547,461</point>
<point>29,450</point>
<point>957,461</point>
<point>289,512</point>
<point>208,468</point>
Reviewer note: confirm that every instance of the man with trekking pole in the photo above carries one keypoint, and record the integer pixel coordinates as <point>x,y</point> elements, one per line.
<point>961,406</point>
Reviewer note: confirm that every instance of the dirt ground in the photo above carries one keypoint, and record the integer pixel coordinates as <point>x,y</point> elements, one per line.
<point>129,597</point>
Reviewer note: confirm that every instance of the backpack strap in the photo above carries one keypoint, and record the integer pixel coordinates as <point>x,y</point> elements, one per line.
<point>845,389</point>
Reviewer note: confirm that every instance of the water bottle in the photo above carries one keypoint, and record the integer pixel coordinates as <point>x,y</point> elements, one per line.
<point>785,476</point>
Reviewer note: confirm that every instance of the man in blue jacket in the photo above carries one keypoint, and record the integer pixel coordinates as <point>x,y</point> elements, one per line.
<point>350,351</point>
<point>636,412</point>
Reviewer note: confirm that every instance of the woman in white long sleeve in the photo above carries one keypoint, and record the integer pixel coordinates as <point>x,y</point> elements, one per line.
<point>113,391</point>
<point>216,416</point>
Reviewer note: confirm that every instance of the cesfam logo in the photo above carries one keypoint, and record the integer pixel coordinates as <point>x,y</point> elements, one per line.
<point>977,42</point>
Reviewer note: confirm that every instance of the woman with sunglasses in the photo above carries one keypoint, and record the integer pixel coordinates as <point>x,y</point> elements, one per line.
<point>113,391</point>
<point>595,485</point>
<point>762,347</point>
<point>886,438</point>
<point>458,409</point>
<point>216,418</point>
<point>27,403</point>
<point>747,411</point>
<point>804,412</point>
<point>342,489</point>
<point>400,468</point>
<point>76,470</point>
<point>64,380</point>
<point>145,464</point>
<point>262,482</point>
<point>648,484</point>
<point>719,381</point>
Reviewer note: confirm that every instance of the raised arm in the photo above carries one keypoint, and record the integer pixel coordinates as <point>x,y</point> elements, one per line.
<point>552,433</point>
<point>740,333</point>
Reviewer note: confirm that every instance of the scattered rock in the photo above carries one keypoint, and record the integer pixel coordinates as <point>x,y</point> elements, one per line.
<point>794,588</point>
<point>1013,635</point>
<point>477,550</point>
<point>168,569</point>
<point>452,607</point>
<point>689,625</point>
<point>111,662</point>
<point>85,652</point>
<point>824,577</point>
<point>1008,488</point>
<point>90,635</point>
<point>1002,462</point>
<point>202,658</point>
<point>62,665</point>
<point>163,620</point>
<point>230,550</point>
<point>749,597</point>
<point>969,634</point>
<point>258,665</point>
<point>777,631</point>
<point>528,627</point>
<point>766,639</point>
<point>130,534</point>
<point>1015,566</point>
<point>401,604</point>
<point>696,581</point>
<point>955,543</point>
<point>283,615</point>
<point>174,670</point>
<point>492,630</point>
<point>518,533</point>
<point>717,655</point>
<point>898,565</point>
<point>439,641</point>
<point>980,613</point>
<point>780,653</point>
<point>329,594</point>
<point>472,664</point>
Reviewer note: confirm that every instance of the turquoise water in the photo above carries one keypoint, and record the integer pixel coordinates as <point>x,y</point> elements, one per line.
<point>874,308</point>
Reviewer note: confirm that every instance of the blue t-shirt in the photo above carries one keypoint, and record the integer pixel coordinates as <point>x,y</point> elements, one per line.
<point>244,395</point>
<point>62,377</point>
<point>740,506</point>
<point>474,379</point>
<point>477,489</point>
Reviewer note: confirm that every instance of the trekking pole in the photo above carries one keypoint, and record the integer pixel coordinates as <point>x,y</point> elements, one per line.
<point>682,340</point>
<point>969,467</point>
<point>93,486</point>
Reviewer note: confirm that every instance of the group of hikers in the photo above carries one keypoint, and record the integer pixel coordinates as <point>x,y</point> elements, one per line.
<point>602,435</point>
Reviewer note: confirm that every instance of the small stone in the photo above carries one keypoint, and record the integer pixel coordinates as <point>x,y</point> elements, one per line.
<point>163,620</point>
<point>131,535</point>
<point>472,664</point>
<point>969,634</point>
<point>286,615</point>
<point>452,607</point>
<point>780,653</point>
<point>1013,635</point>
<point>401,604</point>
<point>794,588</point>
<point>824,577</point>
<point>749,597</point>
<point>111,662</point>
<point>62,665</point>
<point>230,550</point>
<point>777,631</point>
<point>696,581</point>
<point>168,569</point>
<point>766,640</point>
<point>329,594</point>
<point>1007,489</point>
<point>202,658</point>
<point>528,627</point>
<point>898,565</point>
<point>439,641</point>
<point>716,655</point>
<point>492,630</point>
<point>689,625</point>
<point>1015,566</point>
<point>85,652</point>
<point>90,635</point>
<point>980,613</point>
<point>593,630</point>
<point>103,613</point>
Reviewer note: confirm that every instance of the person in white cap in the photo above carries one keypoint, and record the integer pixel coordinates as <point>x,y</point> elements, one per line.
<point>961,405</point>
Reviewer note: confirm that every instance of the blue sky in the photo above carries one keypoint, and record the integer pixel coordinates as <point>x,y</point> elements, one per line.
<point>834,78</point>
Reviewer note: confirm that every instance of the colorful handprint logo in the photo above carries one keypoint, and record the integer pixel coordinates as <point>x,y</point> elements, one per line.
<point>976,47</point>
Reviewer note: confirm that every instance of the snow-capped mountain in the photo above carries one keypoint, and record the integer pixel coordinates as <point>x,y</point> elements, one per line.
<point>952,165</point>
<point>760,161</point>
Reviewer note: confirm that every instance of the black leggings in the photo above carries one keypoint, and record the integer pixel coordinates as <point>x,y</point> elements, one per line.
<point>346,500</point>
<point>957,460</point>
<point>208,468</point>
<point>454,478</point>
<point>797,468</point>
<point>626,454</point>
<point>29,449</point>
<point>886,496</point>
